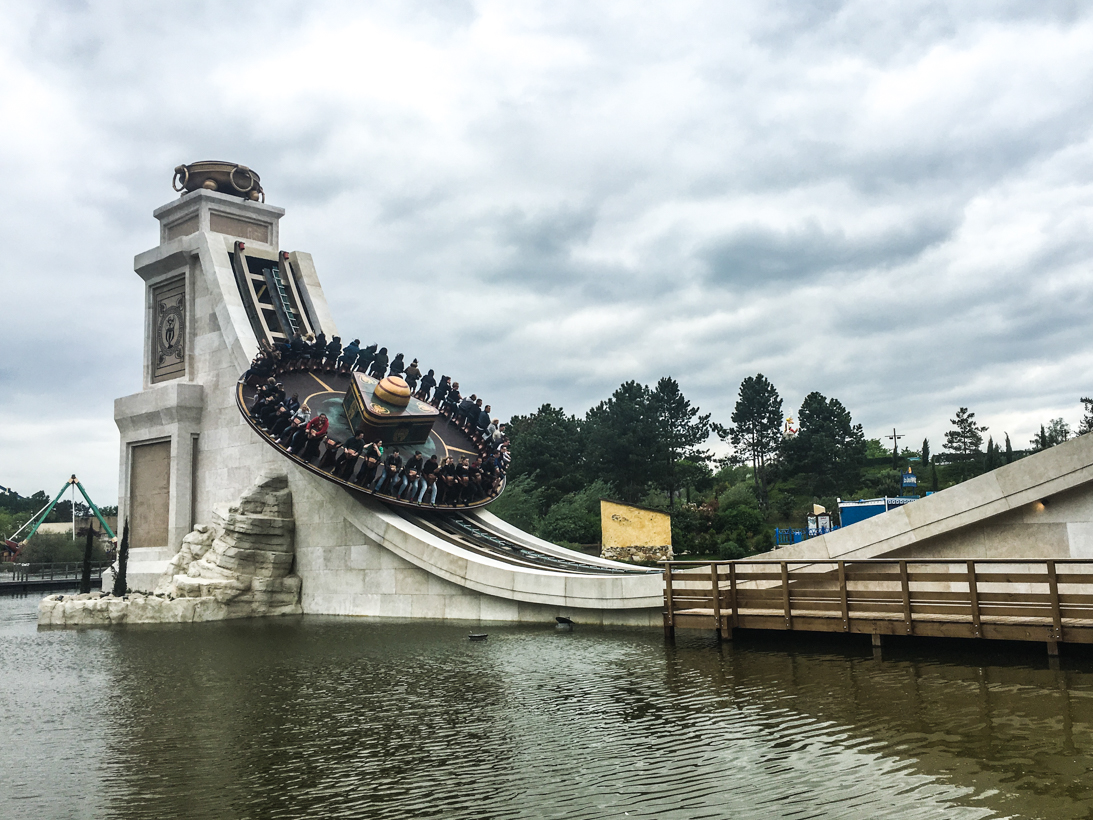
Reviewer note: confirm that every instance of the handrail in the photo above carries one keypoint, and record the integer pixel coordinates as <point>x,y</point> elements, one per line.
<point>1042,599</point>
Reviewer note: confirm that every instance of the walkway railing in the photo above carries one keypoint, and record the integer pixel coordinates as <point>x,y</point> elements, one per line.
<point>1045,600</point>
<point>24,573</point>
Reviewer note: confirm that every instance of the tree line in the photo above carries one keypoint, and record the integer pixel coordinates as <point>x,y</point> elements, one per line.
<point>649,445</point>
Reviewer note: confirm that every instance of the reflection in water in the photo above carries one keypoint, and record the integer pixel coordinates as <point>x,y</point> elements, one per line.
<point>320,717</point>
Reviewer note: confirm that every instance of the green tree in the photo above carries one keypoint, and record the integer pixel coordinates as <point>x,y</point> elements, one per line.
<point>682,430</point>
<point>621,438</point>
<point>1056,432</point>
<point>1086,424</point>
<point>757,428</point>
<point>964,439</point>
<point>829,450</point>
<point>993,459</point>
<point>546,447</point>
<point>575,519</point>
<point>925,455</point>
<point>1009,450</point>
<point>520,503</point>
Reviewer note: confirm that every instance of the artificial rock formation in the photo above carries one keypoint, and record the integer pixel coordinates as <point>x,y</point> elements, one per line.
<point>637,555</point>
<point>240,566</point>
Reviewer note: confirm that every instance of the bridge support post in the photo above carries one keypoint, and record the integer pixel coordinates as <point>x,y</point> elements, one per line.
<point>1053,648</point>
<point>878,646</point>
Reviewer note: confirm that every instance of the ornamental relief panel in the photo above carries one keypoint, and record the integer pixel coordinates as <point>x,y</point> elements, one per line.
<point>169,330</point>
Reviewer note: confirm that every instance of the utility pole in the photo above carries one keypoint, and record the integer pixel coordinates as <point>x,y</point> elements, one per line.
<point>895,446</point>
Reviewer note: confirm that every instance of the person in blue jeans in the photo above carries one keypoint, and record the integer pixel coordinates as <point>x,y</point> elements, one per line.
<point>390,478</point>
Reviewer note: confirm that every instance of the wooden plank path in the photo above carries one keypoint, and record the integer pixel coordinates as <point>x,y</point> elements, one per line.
<point>1013,600</point>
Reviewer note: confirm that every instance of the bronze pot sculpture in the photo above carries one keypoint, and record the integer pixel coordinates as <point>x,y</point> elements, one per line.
<point>226,177</point>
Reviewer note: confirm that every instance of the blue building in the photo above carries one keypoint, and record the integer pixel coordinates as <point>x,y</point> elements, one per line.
<point>851,512</point>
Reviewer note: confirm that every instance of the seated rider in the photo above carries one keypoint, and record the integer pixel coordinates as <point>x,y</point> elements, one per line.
<point>350,354</point>
<point>412,376</point>
<point>388,478</point>
<point>315,431</point>
<point>428,382</point>
<point>441,391</point>
<point>348,457</point>
<point>365,357</point>
<point>379,364</point>
<point>429,474</point>
<point>412,474</point>
<point>371,460</point>
<point>326,463</point>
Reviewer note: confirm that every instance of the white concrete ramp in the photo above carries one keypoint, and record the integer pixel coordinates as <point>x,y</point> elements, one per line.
<point>1038,507</point>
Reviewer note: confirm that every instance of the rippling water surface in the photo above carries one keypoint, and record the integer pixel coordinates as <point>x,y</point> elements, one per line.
<point>323,718</point>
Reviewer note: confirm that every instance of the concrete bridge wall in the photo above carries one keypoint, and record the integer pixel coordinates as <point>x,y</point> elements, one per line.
<point>1038,507</point>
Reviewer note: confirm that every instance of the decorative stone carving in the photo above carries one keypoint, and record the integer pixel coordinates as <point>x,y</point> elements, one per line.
<point>240,566</point>
<point>169,330</point>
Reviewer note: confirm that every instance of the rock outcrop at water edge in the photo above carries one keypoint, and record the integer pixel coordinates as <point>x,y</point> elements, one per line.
<point>240,566</point>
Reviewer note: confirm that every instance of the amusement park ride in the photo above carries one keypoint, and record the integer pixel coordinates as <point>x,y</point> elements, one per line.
<point>11,547</point>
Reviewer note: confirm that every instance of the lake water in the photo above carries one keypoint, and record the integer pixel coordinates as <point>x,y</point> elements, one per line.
<point>333,717</point>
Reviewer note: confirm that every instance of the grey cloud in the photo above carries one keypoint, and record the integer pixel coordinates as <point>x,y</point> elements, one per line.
<point>756,256</point>
<point>576,172</point>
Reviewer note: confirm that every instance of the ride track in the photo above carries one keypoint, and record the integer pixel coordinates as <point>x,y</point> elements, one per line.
<point>323,394</point>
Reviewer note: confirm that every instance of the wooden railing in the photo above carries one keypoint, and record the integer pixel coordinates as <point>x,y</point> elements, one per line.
<point>72,570</point>
<point>1038,600</point>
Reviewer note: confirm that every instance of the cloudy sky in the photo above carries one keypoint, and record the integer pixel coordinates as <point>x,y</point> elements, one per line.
<point>891,203</point>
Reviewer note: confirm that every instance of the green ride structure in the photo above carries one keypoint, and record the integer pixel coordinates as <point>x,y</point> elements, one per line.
<point>13,545</point>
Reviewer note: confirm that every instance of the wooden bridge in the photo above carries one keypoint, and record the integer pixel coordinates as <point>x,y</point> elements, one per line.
<point>1046,600</point>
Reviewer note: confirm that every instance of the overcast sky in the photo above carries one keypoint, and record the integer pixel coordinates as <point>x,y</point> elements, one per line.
<point>890,203</point>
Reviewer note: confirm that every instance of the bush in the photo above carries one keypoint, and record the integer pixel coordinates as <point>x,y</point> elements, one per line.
<point>730,551</point>
<point>58,548</point>
<point>519,503</point>
<point>576,517</point>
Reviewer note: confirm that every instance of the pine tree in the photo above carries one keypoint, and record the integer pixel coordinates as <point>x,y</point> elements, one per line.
<point>757,428</point>
<point>992,455</point>
<point>1086,424</point>
<point>925,451</point>
<point>965,438</point>
<point>683,430</point>
<point>1009,450</point>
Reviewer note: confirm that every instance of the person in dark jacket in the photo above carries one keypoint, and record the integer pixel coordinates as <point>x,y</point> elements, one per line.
<point>428,382</point>
<point>412,376</point>
<point>349,355</point>
<point>429,475</point>
<point>398,366</point>
<point>379,364</point>
<point>348,456</point>
<point>441,391</point>
<point>365,358</point>
<point>412,477</point>
<point>371,461</point>
<point>484,420</point>
<point>387,479</point>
